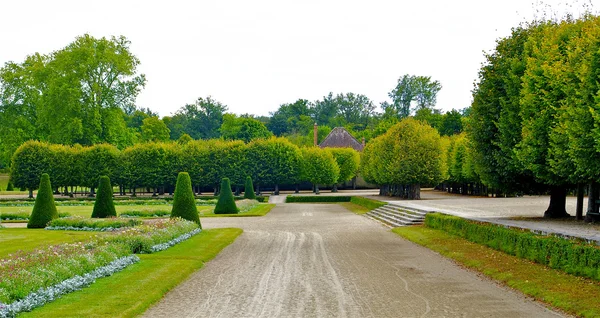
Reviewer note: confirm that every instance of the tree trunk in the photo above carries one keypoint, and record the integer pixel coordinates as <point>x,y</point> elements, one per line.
<point>133,191</point>
<point>276,192</point>
<point>216,192</point>
<point>414,192</point>
<point>237,190</point>
<point>317,189</point>
<point>297,189</point>
<point>354,183</point>
<point>154,192</point>
<point>381,191</point>
<point>334,189</point>
<point>92,192</point>
<point>257,189</point>
<point>579,209</point>
<point>592,210</point>
<point>30,194</point>
<point>558,201</point>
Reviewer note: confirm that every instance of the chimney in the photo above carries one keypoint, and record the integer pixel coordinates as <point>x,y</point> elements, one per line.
<point>364,143</point>
<point>315,134</point>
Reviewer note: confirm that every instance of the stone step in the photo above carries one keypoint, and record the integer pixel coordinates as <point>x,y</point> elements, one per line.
<point>386,220</point>
<point>400,216</point>
<point>392,208</point>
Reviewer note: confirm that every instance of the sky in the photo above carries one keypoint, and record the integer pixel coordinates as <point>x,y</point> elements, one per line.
<point>256,55</point>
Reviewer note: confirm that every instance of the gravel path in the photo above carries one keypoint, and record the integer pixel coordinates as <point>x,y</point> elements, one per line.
<point>319,260</point>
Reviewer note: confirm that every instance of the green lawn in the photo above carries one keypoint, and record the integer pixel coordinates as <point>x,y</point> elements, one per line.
<point>130,292</point>
<point>260,210</point>
<point>355,208</point>
<point>12,240</point>
<point>572,294</point>
<point>86,211</point>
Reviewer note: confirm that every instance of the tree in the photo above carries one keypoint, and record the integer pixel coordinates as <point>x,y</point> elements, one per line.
<point>249,189</point>
<point>226,202</point>
<point>274,161</point>
<point>104,206</point>
<point>154,129</point>
<point>96,161</point>
<point>319,167</point>
<point>44,209</point>
<point>30,161</point>
<point>200,120</point>
<point>451,123</point>
<point>291,118</point>
<point>348,160</point>
<point>243,128</point>
<point>420,90</point>
<point>184,203</point>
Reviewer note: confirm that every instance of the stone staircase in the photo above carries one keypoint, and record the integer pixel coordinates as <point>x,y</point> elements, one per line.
<point>394,215</point>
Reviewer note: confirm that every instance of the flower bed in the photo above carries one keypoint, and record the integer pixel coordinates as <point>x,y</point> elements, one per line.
<point>145,214</point>
<point>246,205</point>
<point>87,224</point>
<point>141,239</point>
<point>31,279</point>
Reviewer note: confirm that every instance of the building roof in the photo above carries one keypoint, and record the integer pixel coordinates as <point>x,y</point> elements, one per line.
<point>339,137</point>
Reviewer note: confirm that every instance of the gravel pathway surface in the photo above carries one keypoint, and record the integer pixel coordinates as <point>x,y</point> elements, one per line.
<point>320,260</point>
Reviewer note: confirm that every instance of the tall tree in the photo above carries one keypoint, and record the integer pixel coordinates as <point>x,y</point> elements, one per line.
<point>200,120</point>
<point>410,90</point>
<point>243,128</point>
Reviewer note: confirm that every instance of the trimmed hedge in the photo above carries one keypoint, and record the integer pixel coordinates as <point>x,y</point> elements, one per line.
<point>44,209</point>
<point>306,199</point>
<point>184,204</point>
<point>572,256</point>
<point>144,213</point>
<point>93,224</point>
<point>249,189</point>
<point>10,187</point>
<point>226,203</point>
<point>104,206</point>
<point>367,203</point>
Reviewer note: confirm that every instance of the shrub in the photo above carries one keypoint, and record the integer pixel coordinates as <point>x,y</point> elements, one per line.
<point>184,204</point>
<point>85,224</point>
<point>145,213</point>
<point>367,203</point>
<point>300,199</point>
<point>104,206</point>
<point>10,187</point>
<point>44,209</point>
<point>573,256</point>
<point>249,189</point>
<point>226,203</point>
<point>14,216</point>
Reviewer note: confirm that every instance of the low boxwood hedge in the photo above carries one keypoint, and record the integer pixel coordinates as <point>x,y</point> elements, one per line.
<point>317,198</point>
<point>573,256</point>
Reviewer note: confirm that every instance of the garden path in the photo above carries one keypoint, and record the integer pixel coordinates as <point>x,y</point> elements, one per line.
<point>320,260</point>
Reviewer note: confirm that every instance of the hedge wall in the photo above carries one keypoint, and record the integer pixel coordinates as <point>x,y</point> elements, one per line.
<point>573,256</point>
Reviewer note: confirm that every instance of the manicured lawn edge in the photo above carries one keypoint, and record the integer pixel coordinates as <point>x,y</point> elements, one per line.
<point>316,199</point>
<point>572,294</point>
<point>120,295</point>
<point>260,210</point>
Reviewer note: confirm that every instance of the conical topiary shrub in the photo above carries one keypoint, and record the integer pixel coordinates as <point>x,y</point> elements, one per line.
<point>10,187</point>
<point>44,209</point>
<point>184,203</point>
<point>249,189</point>
<point>226,202</point>
<point>104,206</point>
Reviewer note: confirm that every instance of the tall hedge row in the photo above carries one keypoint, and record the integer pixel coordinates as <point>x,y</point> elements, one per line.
<point>269,162</point>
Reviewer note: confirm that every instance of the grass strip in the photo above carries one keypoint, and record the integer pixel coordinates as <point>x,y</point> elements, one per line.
<point>259,210</point>
<point>16,239</point>
<point>362,205</point>
<point>572,294</point>
<point>120,295</point>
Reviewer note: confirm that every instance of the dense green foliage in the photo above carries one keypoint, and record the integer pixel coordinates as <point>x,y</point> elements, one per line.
<point>316,199</point>
<point>348,161</point>
<point>243,128</point>
<point>104,206</point>
<point>226,203</point>
<point>408,155</point>
<point>319,167</point>
<point>44,209</point>
<point>572,256</point>
<point>249,189</point>
<point>273,161</point>
<point>9,186</point>
<point>184,204</point>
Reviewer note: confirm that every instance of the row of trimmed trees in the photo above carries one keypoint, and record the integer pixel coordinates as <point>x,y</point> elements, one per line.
<point>269,162</point>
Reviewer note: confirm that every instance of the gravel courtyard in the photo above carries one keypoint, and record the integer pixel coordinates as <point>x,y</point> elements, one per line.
<point>320,260</point>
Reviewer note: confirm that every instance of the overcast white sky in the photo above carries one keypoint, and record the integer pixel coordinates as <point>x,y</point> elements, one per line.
<point>255,55</point>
